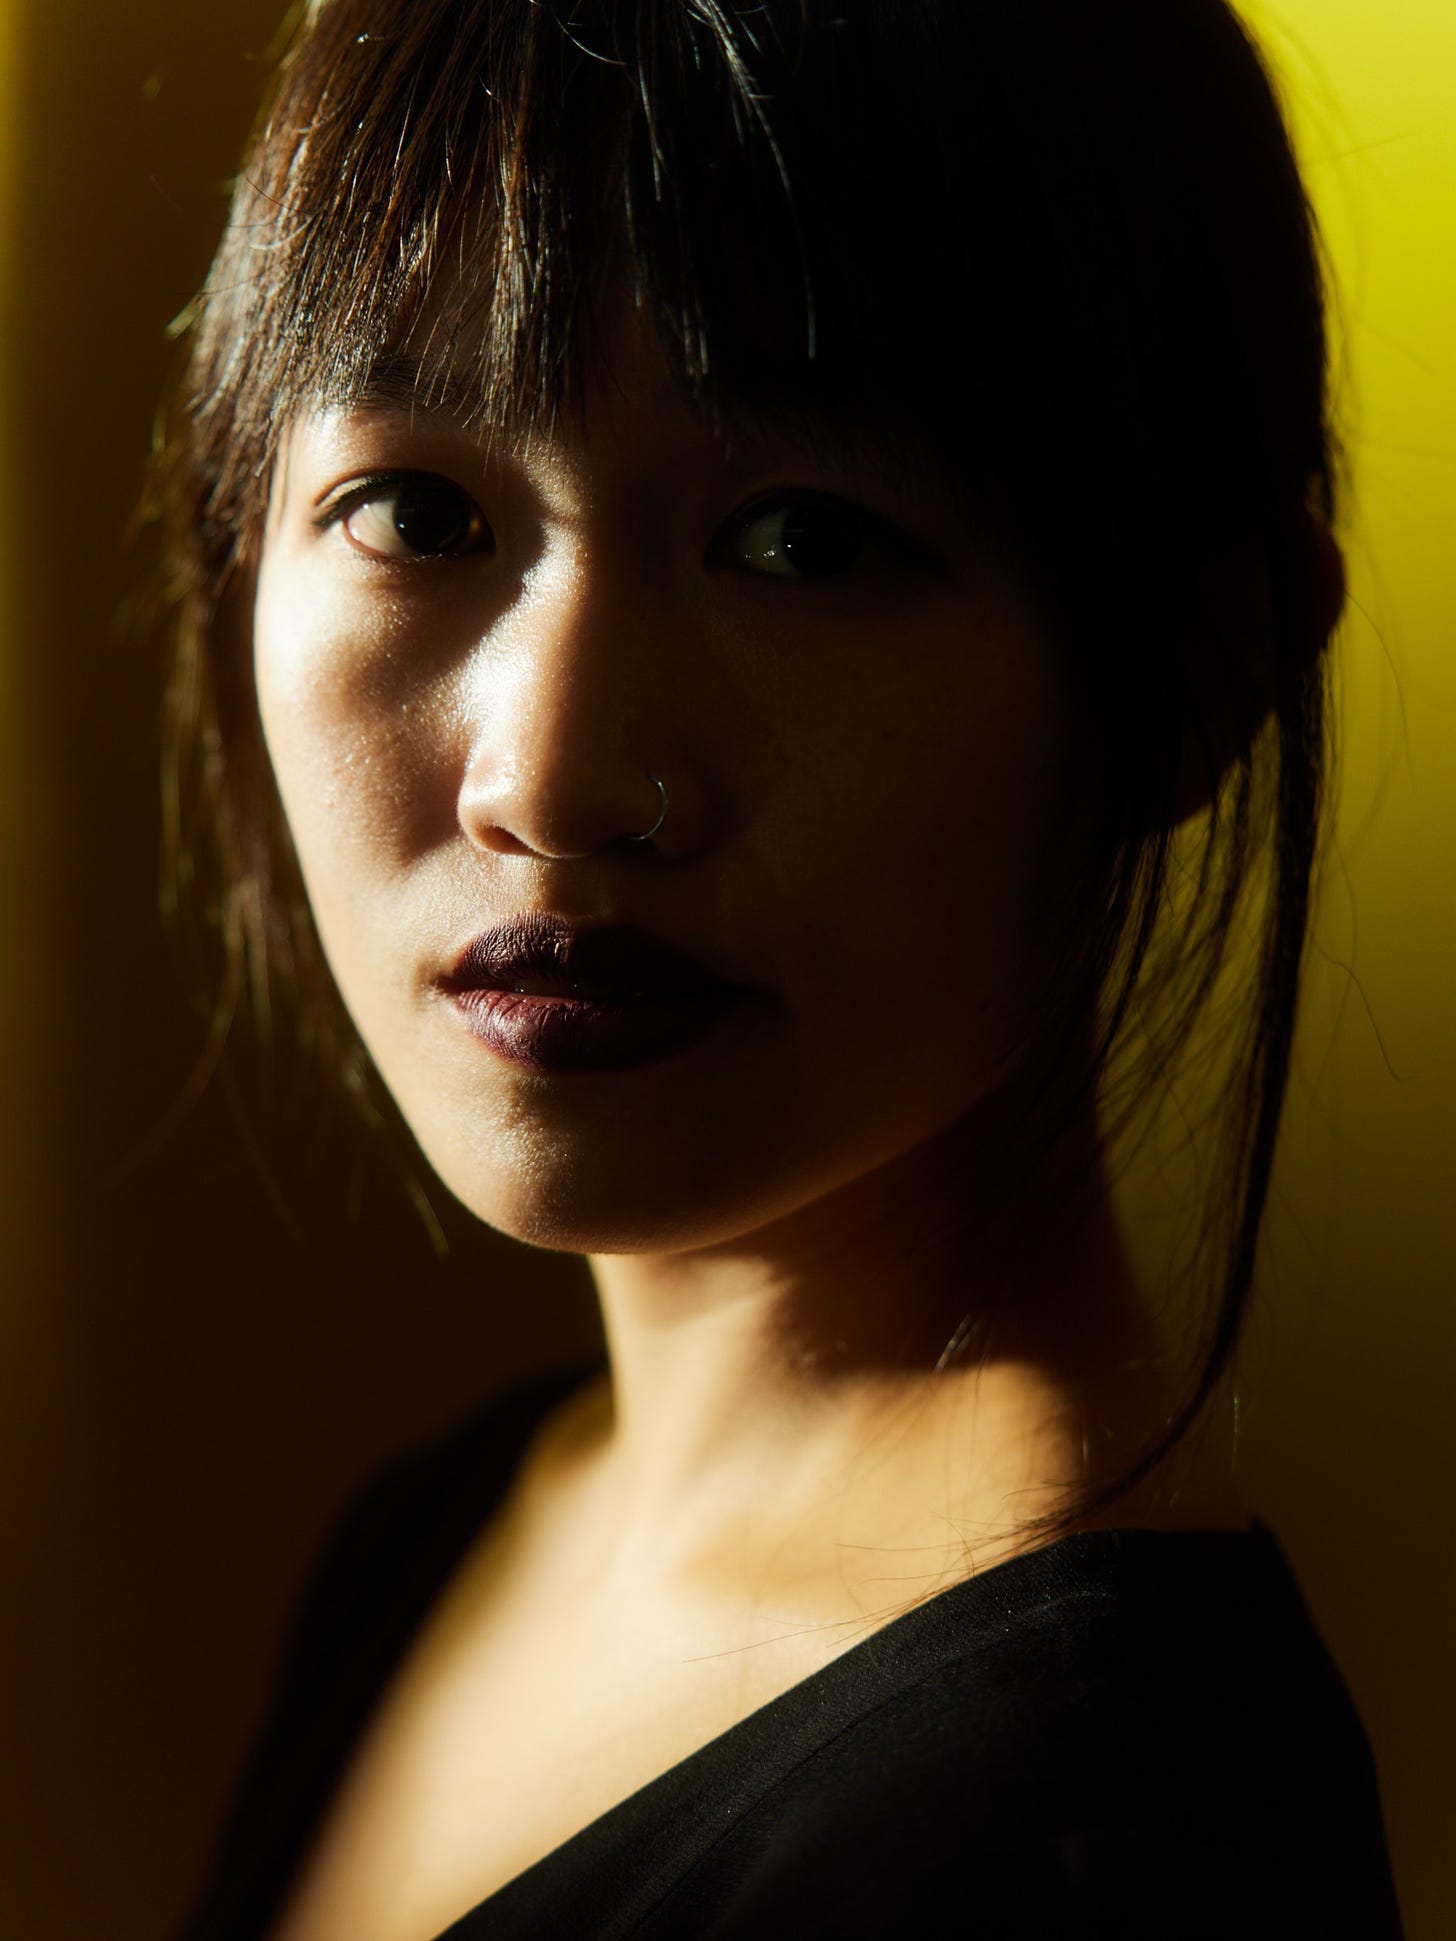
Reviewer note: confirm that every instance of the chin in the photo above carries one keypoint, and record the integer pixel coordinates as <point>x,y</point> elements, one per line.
<point>560,1202</point>
<point>572,1222</point>
<point>627,1203</point>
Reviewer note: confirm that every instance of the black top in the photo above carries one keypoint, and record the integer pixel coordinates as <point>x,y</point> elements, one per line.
<point>1126,1734</point>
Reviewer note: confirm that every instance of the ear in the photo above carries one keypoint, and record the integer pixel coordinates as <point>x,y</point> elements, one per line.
<point>1332,588</point>
<point>1230,729</point>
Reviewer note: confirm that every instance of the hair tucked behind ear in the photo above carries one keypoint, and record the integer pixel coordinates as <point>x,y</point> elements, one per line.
<point>1062,245</point>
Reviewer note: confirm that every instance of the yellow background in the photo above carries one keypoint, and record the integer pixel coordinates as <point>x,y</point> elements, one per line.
<point>196,1365</point>
<point>1351,1364</point>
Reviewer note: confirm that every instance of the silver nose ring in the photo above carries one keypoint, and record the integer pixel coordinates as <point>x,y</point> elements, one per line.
<point>648,834</point>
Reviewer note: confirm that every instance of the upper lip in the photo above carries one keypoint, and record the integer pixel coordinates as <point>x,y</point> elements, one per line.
<point>550,953</point>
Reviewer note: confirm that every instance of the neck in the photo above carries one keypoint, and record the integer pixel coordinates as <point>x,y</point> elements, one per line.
<point>785,1381</point>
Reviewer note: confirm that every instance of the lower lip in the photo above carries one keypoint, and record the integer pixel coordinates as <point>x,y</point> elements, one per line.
<point>563,1034</point>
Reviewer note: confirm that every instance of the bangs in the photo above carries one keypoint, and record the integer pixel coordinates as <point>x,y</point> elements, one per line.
<point>457,189</point>
<point>905,217</point>
<point>444,197</point>
<point>468,178</point>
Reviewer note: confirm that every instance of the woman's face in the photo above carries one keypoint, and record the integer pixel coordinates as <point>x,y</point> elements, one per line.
<point>470,664</point>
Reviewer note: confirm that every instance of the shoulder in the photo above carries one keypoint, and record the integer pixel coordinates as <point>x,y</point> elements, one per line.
<point>406,1523</point>
<point>1146,1678</point>
<point>386,1556</point>
<point>1128,1733</point>
<point>391,1547</point>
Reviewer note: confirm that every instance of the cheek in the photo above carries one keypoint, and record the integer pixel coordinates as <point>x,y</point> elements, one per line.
<point>929,920</point>
<point>940,831</point>
<point>360,757</point>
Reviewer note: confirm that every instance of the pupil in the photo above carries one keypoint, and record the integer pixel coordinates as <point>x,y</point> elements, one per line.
<point>821,542</point>
<point>430,520</point>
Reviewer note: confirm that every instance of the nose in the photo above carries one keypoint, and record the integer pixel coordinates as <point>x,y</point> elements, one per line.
<point>570,727</point>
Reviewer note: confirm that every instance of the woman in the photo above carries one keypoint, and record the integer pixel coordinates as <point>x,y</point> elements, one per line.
<point>721,553</point>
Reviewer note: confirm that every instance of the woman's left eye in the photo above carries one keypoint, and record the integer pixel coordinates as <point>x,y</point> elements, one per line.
<point>803,536</point>
<point>409,516</point>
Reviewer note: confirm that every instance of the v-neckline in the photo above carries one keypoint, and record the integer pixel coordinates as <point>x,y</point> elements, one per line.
<point>966,1617</point>
<point>961,1618</point>
<point>790,1725</point>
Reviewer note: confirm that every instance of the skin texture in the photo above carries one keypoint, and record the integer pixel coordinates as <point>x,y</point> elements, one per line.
<point>870,822</point>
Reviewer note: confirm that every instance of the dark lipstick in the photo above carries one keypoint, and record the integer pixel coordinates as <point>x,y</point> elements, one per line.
<point>560,997</point>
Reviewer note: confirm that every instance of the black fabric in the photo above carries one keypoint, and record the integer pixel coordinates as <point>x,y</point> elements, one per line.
<point>1127,1734</point>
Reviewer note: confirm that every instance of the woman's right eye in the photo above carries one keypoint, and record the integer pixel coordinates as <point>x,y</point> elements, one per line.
<point>410,516</point>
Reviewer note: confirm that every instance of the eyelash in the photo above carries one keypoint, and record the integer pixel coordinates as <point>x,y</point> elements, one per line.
<point>867,532</point>
<point>383,485</point>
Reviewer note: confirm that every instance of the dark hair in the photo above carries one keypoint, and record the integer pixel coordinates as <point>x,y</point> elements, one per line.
<point>1060,245</point>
